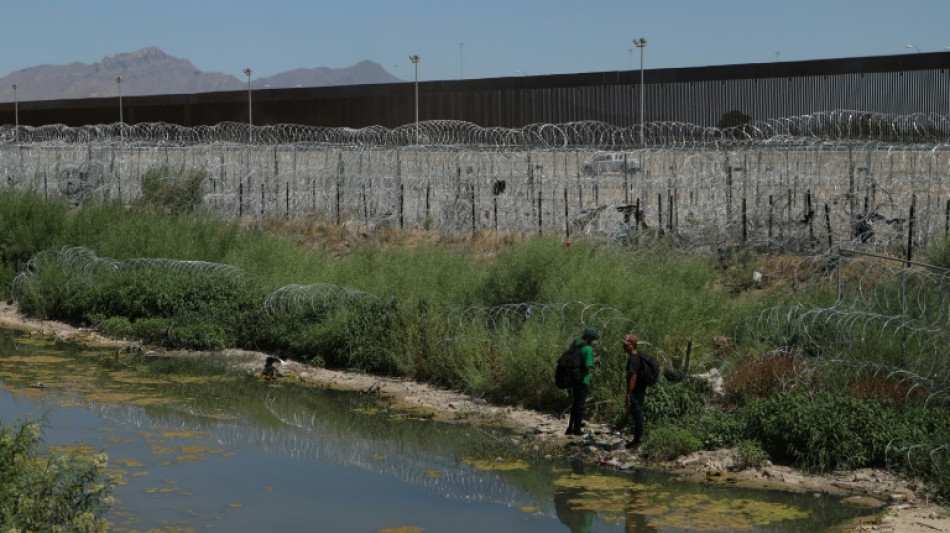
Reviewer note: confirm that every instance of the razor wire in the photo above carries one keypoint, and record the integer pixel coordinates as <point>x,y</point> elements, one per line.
<point>870,317</point>
<point>802,184</point>
<point>82,265</point>
<point>295,299</point>
<point>837,125</point>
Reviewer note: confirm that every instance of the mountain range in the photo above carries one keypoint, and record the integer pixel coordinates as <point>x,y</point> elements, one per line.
<point>151,71</point>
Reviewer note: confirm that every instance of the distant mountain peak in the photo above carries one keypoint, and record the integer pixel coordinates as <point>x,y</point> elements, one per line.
<point>150,70</point>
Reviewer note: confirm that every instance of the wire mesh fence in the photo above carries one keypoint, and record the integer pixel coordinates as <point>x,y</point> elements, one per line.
<point>798,184</point>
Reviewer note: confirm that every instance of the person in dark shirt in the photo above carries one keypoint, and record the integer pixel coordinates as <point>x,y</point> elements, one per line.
<point>636,391</point>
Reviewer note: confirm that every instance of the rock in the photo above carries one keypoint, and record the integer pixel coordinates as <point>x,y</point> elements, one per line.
<point>793,479</point>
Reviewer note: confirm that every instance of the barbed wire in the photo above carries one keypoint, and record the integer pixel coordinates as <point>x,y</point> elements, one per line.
<point>294,300</point>
<point>876,197</point>
<point>874,318</point>
<point>835,126</point>
<point>82,265</point>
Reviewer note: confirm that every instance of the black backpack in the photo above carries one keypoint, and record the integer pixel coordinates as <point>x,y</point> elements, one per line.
<point>649,372</point>
<point>570,369</point>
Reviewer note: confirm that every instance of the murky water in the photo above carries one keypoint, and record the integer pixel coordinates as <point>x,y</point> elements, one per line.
<point>201,451</point>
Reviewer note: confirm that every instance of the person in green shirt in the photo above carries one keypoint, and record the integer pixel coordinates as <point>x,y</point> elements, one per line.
<point>580,390</point>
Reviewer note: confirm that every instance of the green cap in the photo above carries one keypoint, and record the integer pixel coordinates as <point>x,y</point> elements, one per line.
<point>590,332</point>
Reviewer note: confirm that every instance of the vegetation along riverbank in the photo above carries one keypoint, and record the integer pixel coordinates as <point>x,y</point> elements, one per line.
<point>823,364</point>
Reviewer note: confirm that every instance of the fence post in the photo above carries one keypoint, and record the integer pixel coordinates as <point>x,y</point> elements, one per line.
<point>626,180</point>
<point>636,215</point>
<point>540,226</point>
<point>495,209</point>
<point>910,227</point>
<point>810,217</point>
<point>669,197</point>
<point>474,215</point>
<point>828,224</point>
<point>771,216</point>
<point>339,189</point>
<point>744,221</point>
<point>728,192</point>
<point>241,199</point>
<point>402,206</point>
<point>567,218</point>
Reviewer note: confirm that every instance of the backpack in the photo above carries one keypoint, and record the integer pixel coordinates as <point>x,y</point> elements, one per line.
<point>570,369</point>
<point>649,372</point>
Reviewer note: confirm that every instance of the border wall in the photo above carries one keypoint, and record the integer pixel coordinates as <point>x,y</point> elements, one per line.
<point>897,84</point>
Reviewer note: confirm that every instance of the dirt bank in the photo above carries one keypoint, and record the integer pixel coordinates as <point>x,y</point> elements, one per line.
<point>909,508</point>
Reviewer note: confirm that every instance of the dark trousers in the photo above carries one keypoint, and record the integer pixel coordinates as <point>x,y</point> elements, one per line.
<point>578,400</point>
<point>637,398</point>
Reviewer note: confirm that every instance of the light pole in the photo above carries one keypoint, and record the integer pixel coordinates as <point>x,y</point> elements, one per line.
<point>415,62</point>
<point>641,43</point>
<point>118,84</point>
<point>250,122</point>
<point>461,61</point>
<point>16,116</point>
<point>912,47</point>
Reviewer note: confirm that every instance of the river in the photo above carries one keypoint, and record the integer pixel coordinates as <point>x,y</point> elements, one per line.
<point>199,448</point>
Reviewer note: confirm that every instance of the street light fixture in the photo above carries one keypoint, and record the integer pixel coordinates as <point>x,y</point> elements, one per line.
<point>523,73</point>
<point>16,116</point>
<point>415,62</point>
<point>118,83</point>
<point>250,122</point>
<point>912,47</point>
<point>641,43</point>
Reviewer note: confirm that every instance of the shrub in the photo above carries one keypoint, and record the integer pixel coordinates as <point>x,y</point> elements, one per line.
<point>671,402</point>
<point>719,428</point>
<point>825,431</point>
<point>117,326</point>
<point>749,454</point>
<point>53,491</point>
<point>939,253</point>
<point>667,442</point>
<point>171,194</point>
<point>763,376</point>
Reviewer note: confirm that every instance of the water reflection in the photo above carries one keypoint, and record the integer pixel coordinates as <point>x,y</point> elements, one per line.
<point>198,449</point>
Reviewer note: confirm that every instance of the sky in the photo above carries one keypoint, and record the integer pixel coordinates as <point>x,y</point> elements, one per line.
<point>467,39</point>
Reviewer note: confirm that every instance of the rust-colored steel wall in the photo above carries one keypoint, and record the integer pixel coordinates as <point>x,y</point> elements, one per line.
<point>899,84</point>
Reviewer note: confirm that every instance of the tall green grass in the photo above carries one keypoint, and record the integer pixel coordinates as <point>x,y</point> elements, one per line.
<point>430,312</point>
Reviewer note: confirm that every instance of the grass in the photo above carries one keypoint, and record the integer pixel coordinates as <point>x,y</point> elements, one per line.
<point>432,308</point>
